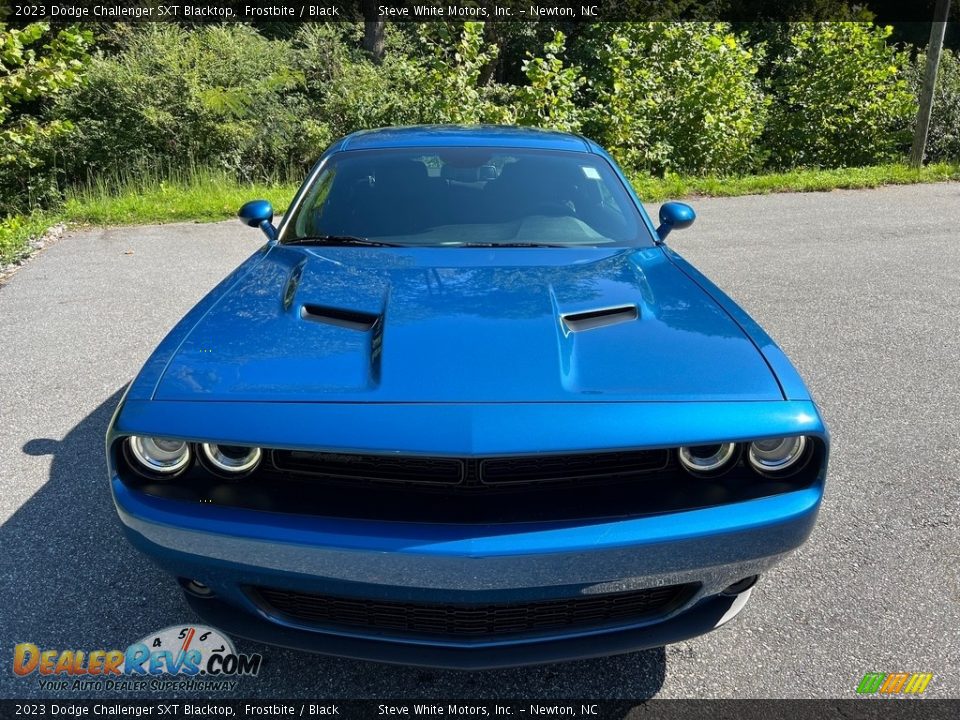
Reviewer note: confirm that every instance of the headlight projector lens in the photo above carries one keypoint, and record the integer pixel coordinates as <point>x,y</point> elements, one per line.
<point>231,459</point>
<point>700,459</point>
<point>777,454</point>
<point>159,455</point>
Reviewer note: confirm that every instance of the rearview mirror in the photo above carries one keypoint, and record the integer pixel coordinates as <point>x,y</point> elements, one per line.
<point>259,213</point>
<point>674,216</point>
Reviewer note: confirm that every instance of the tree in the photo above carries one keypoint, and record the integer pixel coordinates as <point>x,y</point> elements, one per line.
<point>35,66</point>
<point>373,31</point>
<point>549,100</point>
<point>840,97</point>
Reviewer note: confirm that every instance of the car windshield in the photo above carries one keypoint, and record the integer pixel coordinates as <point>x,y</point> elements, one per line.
<point>458,197</point>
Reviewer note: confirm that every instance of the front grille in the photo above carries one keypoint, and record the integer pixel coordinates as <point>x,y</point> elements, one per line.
<point>474,620</point>
<point>471,490</point>
<point>472,473</point>
<point>558,468</point>
<point>383,468</point>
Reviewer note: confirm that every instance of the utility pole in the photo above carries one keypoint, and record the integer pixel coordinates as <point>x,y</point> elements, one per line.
<point>937,30</point>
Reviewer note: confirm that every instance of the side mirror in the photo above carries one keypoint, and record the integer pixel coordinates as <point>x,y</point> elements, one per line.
<point>674,216</point>
<point>259,213</point>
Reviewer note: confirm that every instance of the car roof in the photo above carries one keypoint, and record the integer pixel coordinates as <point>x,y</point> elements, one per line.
<point>463,136</point>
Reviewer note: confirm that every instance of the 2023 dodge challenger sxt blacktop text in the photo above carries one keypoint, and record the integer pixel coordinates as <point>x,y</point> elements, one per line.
<point>466,408</point>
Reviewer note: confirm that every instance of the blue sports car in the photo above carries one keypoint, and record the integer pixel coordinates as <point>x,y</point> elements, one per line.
<point>466,408</point>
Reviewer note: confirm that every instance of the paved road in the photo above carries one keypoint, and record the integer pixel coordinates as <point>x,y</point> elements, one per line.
<point>862,289</point>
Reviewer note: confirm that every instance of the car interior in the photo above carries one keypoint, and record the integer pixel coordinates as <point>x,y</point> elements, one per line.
<point>466,198</point>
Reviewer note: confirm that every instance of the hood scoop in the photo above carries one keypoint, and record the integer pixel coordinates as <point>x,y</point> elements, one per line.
<point>601,317</point>
<point>424,325</point>
<point>339,317</point>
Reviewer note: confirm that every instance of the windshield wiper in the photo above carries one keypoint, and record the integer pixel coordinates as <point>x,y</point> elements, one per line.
<point>338,240</point>
<point>512,245</point>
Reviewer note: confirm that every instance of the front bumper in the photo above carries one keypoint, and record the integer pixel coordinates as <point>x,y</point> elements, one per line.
<point>230,550</point>
<point>707,615</point>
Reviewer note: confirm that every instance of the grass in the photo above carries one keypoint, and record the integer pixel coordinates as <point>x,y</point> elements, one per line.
<point>673,187</point>
<point>200,195</point>
<point>203,195</point>
<point>18,231</point>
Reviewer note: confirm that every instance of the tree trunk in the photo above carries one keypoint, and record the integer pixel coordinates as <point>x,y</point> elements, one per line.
<point>491,36</point>
<point>373,30</point>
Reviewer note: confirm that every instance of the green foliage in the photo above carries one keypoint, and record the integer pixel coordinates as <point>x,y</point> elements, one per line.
<point>680,97</point>
<point>36,65</point>
<point>30,72</point>
<point>943,139</point>
<point>258,104</point>
<point>346,89</point>
<point>625,103</point>
<point>18,231</point>
<point>188,194</point>
<point>840,97</point>
<point>652,189</point>
<point>549,100</point>
<point>448,77</point>
<point>223,96</point>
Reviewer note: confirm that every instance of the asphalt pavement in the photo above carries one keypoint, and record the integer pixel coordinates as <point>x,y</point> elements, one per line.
<point>860,288</point>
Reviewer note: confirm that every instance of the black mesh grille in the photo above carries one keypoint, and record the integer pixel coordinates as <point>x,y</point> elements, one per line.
<point>464,621</point>
<point>558,468</point>
<point>383,468</point>
<point>472,473</point>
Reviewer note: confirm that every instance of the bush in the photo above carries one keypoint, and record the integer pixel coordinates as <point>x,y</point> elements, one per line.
<point>679,97</point>
<point>348,90</point>
<point>36,66</point>
<point>943,139</point>
<point>840,97</point>
<point>228,98</point>
<point>448,78</point>
<point>222,96</point>
<point>17,232</point>
<point>684,98</point>
<point>549,100</point>
<point>624,86</point>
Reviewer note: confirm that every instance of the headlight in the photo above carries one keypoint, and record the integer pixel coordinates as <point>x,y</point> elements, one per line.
<point>159,455</point>
<point>232,459</point>
<point>706,458</point>
<point>777,454</point>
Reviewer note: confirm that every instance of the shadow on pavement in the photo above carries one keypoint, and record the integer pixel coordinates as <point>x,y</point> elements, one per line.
<point>71,581</point>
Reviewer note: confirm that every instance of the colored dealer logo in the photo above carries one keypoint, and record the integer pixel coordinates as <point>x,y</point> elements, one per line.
<point>894,683</point>
<point>176,650</point>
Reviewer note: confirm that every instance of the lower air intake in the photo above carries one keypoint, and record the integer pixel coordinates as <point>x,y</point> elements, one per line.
<point>466,621</point>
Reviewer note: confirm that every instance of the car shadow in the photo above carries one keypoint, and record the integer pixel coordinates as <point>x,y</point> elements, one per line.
<point>71,581</point>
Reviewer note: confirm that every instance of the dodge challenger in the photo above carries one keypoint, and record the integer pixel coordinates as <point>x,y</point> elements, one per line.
<point>467,408</point>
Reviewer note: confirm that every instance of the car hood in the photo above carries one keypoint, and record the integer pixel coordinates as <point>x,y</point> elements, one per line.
<point>436,325</point>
